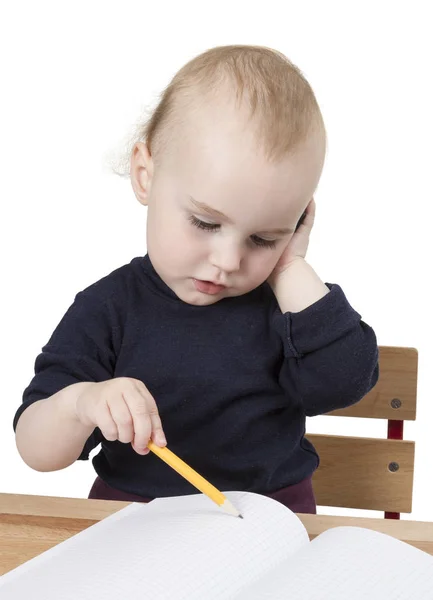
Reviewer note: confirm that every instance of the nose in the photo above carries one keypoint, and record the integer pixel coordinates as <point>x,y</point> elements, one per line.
<point>226,256</point>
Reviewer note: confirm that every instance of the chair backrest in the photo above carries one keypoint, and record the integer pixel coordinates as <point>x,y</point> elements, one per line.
<point>372,473</point>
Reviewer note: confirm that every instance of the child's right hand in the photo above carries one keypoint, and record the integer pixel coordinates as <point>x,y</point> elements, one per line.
<point>124,410</point>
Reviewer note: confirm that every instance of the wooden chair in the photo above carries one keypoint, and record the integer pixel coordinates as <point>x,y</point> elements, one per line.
<point>371,473</point>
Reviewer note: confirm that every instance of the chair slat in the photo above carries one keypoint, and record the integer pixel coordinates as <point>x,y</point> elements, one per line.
<point>398,372</point>
<point>355,472</point>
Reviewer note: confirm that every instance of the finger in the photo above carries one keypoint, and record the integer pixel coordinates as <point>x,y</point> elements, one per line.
<point>141,420</point>
<point>310,213</point>
<point>106,423</point>
<point>157,433</point>
<point>121,415</point>
<point>142,451</point>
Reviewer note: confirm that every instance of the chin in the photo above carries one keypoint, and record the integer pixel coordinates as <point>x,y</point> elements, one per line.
<point>201,299</point>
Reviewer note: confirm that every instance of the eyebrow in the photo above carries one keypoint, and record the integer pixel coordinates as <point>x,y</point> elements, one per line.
<point>219,215</point>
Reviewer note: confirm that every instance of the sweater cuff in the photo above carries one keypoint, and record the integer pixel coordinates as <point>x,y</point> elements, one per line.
<point>318,325</point>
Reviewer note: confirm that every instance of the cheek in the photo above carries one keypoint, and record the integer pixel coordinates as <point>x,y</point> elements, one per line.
<point>177,239</point>
<point>195,241</point>
<point>261,265</point>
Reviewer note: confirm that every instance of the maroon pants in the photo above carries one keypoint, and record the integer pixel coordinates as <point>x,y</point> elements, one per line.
<point>298,497</point>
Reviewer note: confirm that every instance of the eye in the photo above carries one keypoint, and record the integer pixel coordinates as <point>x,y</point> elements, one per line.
<point>213,227</point>
<point>203,225</point>
<point>258,241</point>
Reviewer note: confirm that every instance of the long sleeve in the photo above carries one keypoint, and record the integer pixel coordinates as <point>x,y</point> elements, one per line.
<point>331,355</point>
<point>81,348</point>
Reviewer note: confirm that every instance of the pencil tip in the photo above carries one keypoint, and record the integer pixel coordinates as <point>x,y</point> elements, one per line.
<point>240,516</point>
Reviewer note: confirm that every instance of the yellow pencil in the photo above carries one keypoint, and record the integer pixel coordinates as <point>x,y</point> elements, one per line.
<point>193,477</point>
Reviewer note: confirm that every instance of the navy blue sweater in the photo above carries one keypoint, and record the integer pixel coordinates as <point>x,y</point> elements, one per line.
<point>233,381</point>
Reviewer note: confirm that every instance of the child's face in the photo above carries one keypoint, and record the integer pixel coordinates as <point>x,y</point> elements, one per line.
<point>216,163</point>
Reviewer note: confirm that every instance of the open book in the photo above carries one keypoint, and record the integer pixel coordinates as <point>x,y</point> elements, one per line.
<point>187,548</point>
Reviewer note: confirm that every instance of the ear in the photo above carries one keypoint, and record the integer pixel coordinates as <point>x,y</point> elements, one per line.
<point>141,172</point>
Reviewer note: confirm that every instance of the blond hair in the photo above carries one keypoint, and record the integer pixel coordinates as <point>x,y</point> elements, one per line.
<point>280,99</point>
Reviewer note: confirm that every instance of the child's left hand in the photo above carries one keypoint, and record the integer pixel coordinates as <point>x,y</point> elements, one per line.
<point>298,245</point>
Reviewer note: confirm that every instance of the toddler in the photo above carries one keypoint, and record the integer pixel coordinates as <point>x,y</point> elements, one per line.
<point>222,338</point>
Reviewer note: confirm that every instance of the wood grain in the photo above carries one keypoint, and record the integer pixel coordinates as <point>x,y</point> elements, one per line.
<point>354,472</point>
<point>29,525</point>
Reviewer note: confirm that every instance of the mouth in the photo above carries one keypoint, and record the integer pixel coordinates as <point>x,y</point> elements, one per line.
<point>208,287</point>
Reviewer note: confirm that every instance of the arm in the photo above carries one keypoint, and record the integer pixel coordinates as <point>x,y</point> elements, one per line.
<point>81,350</point>
<point>331,355</point>
<point>298,287</point>
<point>49,435</point>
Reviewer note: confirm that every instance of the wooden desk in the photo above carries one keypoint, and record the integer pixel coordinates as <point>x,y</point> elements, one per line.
<point>30,525</point>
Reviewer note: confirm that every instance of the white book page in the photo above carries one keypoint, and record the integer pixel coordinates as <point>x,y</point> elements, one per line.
<point>349,562</point>
<point>173,548</point>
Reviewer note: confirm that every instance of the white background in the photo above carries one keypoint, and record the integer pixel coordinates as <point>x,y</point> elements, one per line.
<point>76,76</point>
